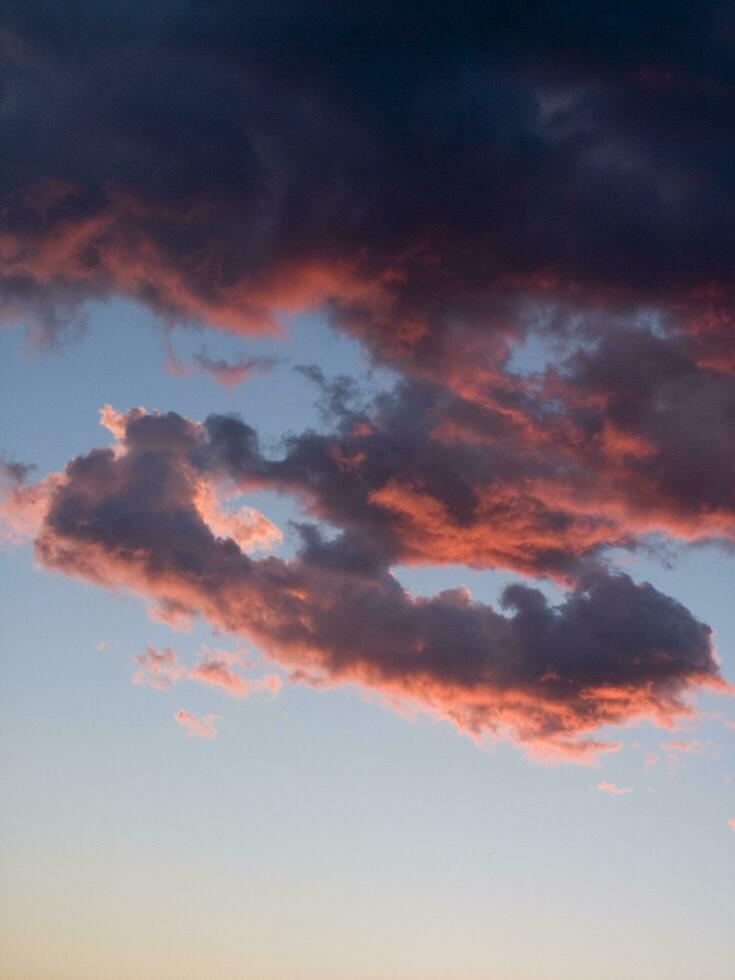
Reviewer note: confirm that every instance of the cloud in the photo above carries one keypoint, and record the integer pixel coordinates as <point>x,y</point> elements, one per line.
<point>546,677</point>
<point>22,504</point>
<point>158,668</point>
<point>612,789</point>
<point>215,669</point>
<point>203,727</point>
<point>686,748</point>
<point>161,669</point>
<point>731,823</point>
<point>569,158</point>
<point>434,478</point>
<point>229,374</point>
<point>560,182</point>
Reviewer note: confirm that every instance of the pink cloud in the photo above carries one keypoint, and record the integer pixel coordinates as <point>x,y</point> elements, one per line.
<point>247,527</point>
<point>336,612</point>
<point>23,505</point>
<point>158,668</point>
<point>686,748</point>
<point>612,789</point>
<point>216,669</point>
<point>194,727</point>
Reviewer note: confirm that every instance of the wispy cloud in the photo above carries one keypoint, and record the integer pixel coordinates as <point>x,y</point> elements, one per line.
<point>160,669</point>
<point>228,374</point>
<point>613,790</point>
<point>693,747</point>
<point>202,727</point>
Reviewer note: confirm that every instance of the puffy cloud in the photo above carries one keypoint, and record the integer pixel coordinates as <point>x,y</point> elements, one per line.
<point>546,677</point>
<point>431,477</point>
<point>446,189</point>
<point>562,177</point>
<point>194,727</point>
<point>658,429</point>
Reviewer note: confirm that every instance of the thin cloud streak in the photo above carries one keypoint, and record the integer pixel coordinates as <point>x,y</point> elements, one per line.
<point>613,790</point>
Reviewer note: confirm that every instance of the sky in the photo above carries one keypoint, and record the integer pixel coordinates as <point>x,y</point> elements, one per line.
<point>367,511</point>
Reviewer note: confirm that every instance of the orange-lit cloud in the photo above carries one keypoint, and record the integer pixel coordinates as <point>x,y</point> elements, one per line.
<point>217,669</point>
<point>547,678</point>
<point>161,669</point>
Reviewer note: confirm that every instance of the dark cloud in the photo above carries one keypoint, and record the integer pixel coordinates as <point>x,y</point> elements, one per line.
<point>231,373</point>
<point>390,476</point>
<point>612,652</point>
<point>675,417</point>
<point>417,167</point>
<point>632,437</point>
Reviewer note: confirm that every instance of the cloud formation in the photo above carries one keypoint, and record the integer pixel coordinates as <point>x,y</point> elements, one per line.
<point>431,477</point>
<point>546,677</point>
<point>422,175</point>
<point>457,193</point>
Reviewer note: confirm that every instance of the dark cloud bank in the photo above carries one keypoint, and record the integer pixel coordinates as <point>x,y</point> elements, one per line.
<point>445,183</point>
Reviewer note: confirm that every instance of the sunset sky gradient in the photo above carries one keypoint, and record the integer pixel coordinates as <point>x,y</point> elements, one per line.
<point>367,491</point>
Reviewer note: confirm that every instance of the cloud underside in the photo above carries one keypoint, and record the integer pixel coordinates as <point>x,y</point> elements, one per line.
<point>419,174</point>
<point>449,191</point>
<point>612,653</point>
